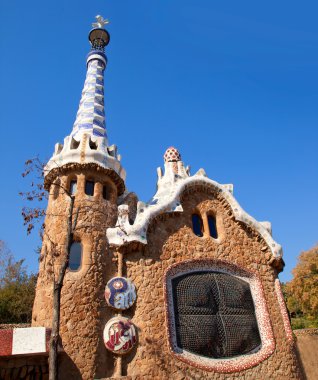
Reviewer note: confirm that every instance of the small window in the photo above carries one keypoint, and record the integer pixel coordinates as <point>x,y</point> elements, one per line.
<point>212,226</point>
<point>105,192</point>
<point>197,225</point>
<point>89,187</point>
<point>73,187</point>
<point>75,256</point>
<point>56,189</point>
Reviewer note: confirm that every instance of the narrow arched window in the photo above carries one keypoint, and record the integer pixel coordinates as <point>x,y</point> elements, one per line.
<point>75,260</point>
<point>212,226</point>
<point>89,187</point>
<point>197,225</point>
<point>106,192</point>
<point>56,188</point>
<point>73,187</point>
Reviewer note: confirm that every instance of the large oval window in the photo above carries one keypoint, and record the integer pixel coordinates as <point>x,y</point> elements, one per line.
<point>214,315</point>
<point>75,260</point>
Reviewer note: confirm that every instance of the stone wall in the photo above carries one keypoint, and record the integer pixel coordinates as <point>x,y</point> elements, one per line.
<point>24,368</point>
<point>307,347</point>
<point>171,240</point>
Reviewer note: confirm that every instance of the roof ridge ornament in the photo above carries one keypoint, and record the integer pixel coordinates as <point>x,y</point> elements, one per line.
<point>100,22</point>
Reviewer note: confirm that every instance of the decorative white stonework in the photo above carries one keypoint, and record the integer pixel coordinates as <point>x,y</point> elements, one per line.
<point>171,185</point>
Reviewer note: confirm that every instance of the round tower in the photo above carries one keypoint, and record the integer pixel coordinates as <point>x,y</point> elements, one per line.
<point>84,178</point>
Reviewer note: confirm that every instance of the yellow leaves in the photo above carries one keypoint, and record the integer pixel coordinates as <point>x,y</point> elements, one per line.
<point>302,290</point>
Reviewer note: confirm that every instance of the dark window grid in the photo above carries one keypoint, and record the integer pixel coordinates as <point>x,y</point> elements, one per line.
<point>209,318</point>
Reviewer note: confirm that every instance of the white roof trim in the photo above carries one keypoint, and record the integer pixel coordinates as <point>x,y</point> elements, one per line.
<point>167,199</point>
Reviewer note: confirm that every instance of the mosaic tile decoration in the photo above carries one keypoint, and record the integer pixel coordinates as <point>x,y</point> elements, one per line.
<point>120,293</point>
<point>167,199</point>
<point>90,117</point>
<point>283,310</point>
<point>120,335</point>
<point>172,154</point>
<point>228,365</point>
<point>88,141</point>
<point>24,341</point>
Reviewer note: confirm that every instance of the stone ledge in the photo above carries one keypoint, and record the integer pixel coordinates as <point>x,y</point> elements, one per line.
<point>306,332</point>
<point>8,326</point>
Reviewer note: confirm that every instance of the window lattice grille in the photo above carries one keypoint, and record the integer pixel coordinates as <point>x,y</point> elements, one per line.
<point>214,315</point>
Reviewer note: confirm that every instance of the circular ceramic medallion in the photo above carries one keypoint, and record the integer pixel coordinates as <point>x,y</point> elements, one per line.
<point>120,293</point>
<point>120,335</point>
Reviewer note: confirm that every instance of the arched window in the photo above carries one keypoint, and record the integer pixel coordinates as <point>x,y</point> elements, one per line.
<point>73,187</point>
<point>56,188</point>
<point>197,225</point>
<point>212,226</point>
<point>89,188</point>
<point>106,192</point>
<point>75,260</point>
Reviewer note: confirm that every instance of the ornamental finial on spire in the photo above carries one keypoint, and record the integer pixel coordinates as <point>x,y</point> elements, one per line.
<point>98,36</point>
<point>100,22</point>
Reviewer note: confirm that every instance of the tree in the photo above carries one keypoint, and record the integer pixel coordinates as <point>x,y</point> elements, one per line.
<point>17,289</point>
<point>35,214</point>
<point>302,290</point>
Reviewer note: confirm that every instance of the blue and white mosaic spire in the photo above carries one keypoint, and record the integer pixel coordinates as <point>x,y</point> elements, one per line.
<point>90,117</point>
<point>88,143</point>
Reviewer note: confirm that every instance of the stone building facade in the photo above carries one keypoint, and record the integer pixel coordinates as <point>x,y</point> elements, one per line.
<point>182,287</point>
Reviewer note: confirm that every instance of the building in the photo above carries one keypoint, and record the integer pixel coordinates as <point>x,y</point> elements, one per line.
<point>182,287</point>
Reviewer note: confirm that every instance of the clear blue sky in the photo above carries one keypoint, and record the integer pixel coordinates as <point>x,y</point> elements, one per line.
<point>232,84</point>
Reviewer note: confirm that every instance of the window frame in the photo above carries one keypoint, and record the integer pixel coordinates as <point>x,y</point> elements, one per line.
<point>223,365</point>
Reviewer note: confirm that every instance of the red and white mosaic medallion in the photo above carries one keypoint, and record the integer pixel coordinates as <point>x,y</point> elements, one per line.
<point>120,335</point>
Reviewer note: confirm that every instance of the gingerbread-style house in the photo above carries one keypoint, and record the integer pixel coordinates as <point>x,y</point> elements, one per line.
<point>182,287</point>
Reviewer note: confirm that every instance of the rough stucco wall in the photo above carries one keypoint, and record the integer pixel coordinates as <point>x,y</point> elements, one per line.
<point>24,368</point>
<point>307,346</point>
<point>83,310</point>
<point>171,240</point>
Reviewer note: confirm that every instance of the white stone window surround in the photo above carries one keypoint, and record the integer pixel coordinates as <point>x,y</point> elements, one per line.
<point>228,365</point>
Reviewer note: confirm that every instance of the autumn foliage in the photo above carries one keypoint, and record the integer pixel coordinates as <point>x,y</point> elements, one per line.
<point>302,291</point>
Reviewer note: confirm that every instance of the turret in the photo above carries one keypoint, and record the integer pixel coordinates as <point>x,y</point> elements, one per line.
<point>87,170</point>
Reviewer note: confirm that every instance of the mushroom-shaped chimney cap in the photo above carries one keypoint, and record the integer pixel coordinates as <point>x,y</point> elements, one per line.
<point>172,155</point>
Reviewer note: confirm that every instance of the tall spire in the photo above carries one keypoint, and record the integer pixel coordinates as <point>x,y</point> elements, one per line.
<point>91,113</point>
<point>88,141</point>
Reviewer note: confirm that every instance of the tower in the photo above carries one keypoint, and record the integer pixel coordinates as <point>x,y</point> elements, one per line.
<point>84,178</point>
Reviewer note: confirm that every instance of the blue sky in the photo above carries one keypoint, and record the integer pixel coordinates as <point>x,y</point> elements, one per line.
<point>233,85</point>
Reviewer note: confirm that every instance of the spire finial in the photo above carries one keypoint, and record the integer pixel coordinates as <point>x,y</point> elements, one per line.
<point>100,22</point>
<point>98,36</point>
